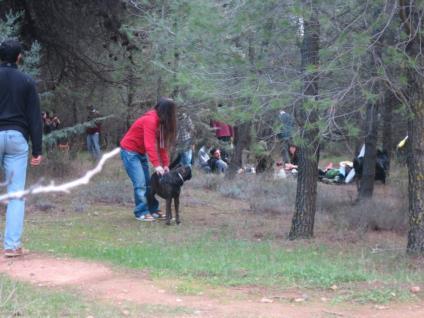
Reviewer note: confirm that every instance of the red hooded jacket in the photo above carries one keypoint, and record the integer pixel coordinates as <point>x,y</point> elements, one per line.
<point>144,137</point>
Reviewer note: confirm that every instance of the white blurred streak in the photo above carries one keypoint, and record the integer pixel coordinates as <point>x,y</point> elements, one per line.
<point>65,187</point>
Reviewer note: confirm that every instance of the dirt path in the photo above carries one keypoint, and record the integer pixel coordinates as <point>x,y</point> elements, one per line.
<point>100,281</point>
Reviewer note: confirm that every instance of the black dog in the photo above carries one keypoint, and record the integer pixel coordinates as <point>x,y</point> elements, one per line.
<point>168,187</point>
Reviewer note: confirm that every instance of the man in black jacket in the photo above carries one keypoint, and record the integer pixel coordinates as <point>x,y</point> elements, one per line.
<point>20,120</point>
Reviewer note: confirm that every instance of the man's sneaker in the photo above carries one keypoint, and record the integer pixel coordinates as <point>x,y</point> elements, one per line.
<point>145,218</point>
<point>15,253</point>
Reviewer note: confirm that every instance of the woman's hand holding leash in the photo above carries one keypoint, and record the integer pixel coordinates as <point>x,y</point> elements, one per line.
<point>159,170</point>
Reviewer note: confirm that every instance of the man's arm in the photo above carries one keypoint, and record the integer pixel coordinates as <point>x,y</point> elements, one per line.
<point>34,120</point>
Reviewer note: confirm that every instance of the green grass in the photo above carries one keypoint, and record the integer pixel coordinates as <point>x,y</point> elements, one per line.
<point>214,258</point>
<point>382,295</point>
<point>213,250</point>
<point>221,261</point>
<point>24,300</point>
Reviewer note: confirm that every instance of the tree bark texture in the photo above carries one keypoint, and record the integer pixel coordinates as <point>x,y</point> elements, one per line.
<point>366,186</point>
<point>410,14</point>
<point>306,192</point>
<point>387,135</point>
<point>416,177</point>
<point>242,140</point>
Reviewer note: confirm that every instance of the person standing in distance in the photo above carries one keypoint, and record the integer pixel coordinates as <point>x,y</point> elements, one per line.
<point>149,137</point>
<point>184,139</point>
<point>286,135</point>
<point>20,120</point>
<point>93,134</point>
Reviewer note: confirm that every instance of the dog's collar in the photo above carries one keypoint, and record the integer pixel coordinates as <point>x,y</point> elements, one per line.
<point>181,177</point>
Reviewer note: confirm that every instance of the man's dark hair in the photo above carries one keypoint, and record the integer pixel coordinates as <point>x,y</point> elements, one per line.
<point>212,151</point>
<point>9,50</point>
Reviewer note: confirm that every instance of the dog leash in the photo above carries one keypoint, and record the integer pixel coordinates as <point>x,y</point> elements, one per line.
<point>181,177</point>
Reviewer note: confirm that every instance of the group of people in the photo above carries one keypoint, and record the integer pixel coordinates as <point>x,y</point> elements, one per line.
<point>214,159</point>
<point>52,123</point>
<point>211,161</point>
<point>149,139</point>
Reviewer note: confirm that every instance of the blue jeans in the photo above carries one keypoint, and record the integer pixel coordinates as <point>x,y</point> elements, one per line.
<point>14,161</point>
<point>93,145</point>
<point>137,169</point>
<point>186,157</point>
<point>221,166</point>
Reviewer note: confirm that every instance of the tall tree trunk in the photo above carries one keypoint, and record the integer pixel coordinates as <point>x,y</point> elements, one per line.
<point>75,112</point>
<point>387,136</point>
<point>242,132</point>
<point>306,193</point>
<point>366,186</point>
<point>416,176</point>
<point>410,15</point>
<point>130,96</point>
<point>242,140</point>
<point>175,64</point>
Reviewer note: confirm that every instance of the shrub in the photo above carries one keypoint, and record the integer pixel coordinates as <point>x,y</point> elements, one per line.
<point>55,165</point>
<point>261,191</point>
<point>108,191</point>
<point>386,211</point>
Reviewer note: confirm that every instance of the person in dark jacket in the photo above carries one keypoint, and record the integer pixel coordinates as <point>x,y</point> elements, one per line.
<point>93,134</point>
<point>20,120</point>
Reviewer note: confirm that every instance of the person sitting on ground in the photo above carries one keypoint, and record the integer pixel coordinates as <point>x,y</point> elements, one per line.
<point>215,162</point>
<point>294,160</point>
<point>203,158</point>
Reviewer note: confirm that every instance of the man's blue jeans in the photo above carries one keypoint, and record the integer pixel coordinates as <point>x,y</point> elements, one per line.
<point>14,161</point>
<point>186,157</point>
<point>93,145</point>
<point>137,168</point>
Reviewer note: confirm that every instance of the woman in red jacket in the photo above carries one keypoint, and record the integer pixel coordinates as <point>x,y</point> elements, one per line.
<point>148,138</point>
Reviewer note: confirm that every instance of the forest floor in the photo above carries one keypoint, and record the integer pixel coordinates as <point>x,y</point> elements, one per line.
<point>98,281</point>
<point>224,260</point>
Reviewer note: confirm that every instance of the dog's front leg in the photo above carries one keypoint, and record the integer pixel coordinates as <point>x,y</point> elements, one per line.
<point>168,211</point>
<point>177,209</point>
